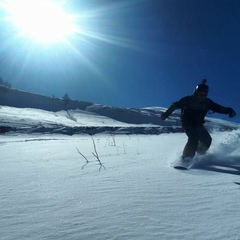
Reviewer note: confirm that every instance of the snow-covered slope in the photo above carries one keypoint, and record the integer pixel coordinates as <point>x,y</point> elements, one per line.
<point>48,190</point>
<point>27,112</point>
<point>79,121</point>
<point>113,186</point>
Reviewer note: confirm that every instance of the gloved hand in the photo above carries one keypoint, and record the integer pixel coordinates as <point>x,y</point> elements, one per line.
<point>163,116</point>
<point>231,113</point>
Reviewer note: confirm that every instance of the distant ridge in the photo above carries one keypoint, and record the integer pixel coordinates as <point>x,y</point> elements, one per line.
<point>16,98</point>
<point>20,99</point>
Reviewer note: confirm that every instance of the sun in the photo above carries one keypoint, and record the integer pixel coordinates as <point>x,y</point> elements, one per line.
<point>43,21</point>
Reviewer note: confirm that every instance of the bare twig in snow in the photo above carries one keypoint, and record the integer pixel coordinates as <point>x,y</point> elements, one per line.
<point>95,154</point>
<point>83,157</point>
<point>114,142</point>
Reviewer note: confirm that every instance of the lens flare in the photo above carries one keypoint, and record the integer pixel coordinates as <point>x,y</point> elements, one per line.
<point>41,33</point>
<point>43,21</point>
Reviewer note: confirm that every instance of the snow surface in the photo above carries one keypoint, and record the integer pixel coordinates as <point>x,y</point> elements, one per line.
<point>56,185</point>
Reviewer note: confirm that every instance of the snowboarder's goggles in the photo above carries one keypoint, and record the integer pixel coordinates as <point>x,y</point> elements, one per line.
<point>202,94</point>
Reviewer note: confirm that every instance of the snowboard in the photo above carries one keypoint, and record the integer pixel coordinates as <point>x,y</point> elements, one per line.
<point>183,165</point>
<point>179,167</point>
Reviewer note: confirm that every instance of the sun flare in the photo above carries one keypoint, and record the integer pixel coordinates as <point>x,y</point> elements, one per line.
<point>61,34</point>
<point>43,21</point>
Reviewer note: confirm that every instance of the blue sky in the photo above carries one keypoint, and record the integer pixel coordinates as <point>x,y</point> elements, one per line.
<point>140,53</point>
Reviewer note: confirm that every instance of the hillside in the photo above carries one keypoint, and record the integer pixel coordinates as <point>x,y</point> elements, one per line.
<point>27,112</point>
<point>112,185</point>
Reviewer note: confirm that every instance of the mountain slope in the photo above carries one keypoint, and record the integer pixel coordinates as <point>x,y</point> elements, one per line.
<point>27,112</point>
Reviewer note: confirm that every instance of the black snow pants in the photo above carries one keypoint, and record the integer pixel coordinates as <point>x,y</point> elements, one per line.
<point>199,140</point>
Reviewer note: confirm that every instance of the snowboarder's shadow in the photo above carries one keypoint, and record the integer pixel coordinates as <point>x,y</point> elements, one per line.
<point>229,166</point>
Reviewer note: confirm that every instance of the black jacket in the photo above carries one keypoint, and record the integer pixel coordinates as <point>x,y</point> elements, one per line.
<point>194,109</point>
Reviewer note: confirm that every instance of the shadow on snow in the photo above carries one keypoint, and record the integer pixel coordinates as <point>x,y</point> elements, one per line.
<point>213,163</point>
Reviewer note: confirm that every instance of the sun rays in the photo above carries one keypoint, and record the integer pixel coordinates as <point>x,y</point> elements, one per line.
<point>42,21</point>
<point>62,34</point>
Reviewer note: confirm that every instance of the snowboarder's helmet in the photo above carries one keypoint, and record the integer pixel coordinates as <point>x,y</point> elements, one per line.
<point>202,87</point>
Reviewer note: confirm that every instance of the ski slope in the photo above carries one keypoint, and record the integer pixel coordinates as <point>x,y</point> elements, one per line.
<point>53,186</point>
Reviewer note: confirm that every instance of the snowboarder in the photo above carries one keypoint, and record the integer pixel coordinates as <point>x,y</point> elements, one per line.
<point>193,111</point>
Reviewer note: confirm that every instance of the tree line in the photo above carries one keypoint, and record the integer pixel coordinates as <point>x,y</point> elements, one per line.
<point>4,83</point>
